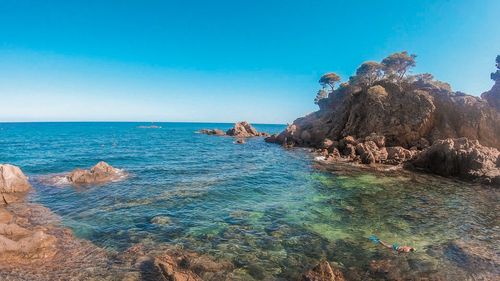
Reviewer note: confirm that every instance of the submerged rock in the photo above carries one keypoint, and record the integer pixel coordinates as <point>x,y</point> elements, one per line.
<point>13,184</point>
<point>100,173</point>
<point>175,264</point>
<point>323,272</point>
<point>461,158</point>
<point>161,220</point>
<point>240,141</point>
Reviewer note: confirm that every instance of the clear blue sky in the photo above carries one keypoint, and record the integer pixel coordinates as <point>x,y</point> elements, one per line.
<point>223,60</point>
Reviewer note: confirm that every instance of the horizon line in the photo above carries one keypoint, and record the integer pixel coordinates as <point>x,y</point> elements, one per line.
<point>101,121</point>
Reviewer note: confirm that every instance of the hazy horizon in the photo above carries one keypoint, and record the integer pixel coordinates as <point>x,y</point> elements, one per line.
<point>222,62</point>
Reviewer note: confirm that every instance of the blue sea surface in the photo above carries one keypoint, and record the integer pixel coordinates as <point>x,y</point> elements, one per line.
<point>270,211</point>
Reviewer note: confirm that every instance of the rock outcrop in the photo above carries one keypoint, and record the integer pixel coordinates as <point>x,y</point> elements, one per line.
<point>214,132</point>
<point>13,184</point>
<point>240,130</point>
<point>461,158</point>
<point>102,172</point>
<point>244,130</point>
<point>18,243</point>
<point>406,116</point>
<point>390,120</point>
<point>323,272</point>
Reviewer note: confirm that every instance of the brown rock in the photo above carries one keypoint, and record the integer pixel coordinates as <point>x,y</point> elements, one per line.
<point>323,272</point>
<point>100,173</point>
<point>461,158</point>
<point>404,116</point>
<point>171,271</point>
<point>272,138</point>
<point>5,216</point>
<point>370,153</point>
<point>243,130</point>
<point>240,141</point>
<point>493,96</point>
<point>379,140</point>
<point>349,151</point>
<point>179,265</point>
<point>397,154</point>
<point>327,143</point>
<point>13,184</point>
<point>215,132</point>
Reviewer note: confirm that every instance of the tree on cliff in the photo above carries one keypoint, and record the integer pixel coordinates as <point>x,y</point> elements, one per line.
<point>329,79</point>
<point>396,65</point>
<point>322,94</point>
<point>495,76</point>
<point>368,73</point>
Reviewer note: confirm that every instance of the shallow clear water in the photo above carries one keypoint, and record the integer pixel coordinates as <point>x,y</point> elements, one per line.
<point>272,212</point>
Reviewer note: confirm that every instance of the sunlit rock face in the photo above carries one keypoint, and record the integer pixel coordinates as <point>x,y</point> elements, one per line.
<point>102,172</point>
<point>13,183</point>
<point>403,115</point>
<point>391,123</point>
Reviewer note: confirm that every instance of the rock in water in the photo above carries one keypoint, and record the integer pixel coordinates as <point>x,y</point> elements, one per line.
<point>13,183</point>
<point>244,130</point>
<point>461,158</point>
<point>213,132</point>
<point>185,266</point>
<point>240,130</point>
<point>100,173</point>
<point>323,272</point>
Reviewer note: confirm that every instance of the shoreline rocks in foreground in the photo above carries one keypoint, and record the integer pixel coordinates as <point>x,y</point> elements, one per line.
<point>100,173</point>
<point>34,246</point>
<point>18,242</point>
<point>13,184</point>
<point>240,130</point>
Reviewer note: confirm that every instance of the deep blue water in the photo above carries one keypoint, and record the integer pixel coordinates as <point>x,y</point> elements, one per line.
<point>272,212</point>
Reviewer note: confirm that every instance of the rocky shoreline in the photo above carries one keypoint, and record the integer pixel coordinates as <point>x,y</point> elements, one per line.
<point>34,245</point>
<point>410,120</point>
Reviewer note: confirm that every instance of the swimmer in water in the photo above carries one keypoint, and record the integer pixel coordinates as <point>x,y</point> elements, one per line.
<point>395,247</point>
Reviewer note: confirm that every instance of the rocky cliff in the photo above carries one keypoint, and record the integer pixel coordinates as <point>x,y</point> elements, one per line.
<point>409,112</point>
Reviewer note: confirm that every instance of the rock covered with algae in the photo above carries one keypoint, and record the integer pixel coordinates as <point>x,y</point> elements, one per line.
<point>323,272</point>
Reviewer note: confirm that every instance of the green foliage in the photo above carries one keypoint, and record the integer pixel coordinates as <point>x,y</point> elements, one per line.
<point>425,77</point>
<point>329,79</point>
<point>368,73</point>
<point>396,65</point>
<point>322,94</point>
<point>495,76</point>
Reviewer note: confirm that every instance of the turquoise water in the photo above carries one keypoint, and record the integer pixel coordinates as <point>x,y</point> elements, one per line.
<point>272,212</point>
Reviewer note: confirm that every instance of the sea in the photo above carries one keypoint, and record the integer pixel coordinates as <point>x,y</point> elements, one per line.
<point>272,212</point>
